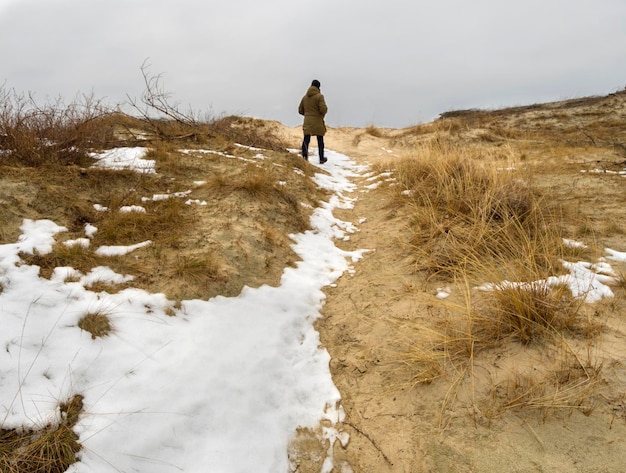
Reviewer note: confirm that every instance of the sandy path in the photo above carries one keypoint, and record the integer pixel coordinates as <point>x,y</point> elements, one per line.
<point>394,428</point>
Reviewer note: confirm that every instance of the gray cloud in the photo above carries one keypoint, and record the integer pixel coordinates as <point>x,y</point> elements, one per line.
<point>392,63</point>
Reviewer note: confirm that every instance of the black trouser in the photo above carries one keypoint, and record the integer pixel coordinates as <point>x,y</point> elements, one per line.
<point>320,146</point>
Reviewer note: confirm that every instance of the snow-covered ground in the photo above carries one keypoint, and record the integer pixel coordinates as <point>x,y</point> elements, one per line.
<point>220,387</point>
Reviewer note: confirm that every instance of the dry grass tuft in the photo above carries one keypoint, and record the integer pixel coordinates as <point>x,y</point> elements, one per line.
<point>49,449</point>
<point>166,219</point>
<point>531,314</point>
<point>261,184</point>
<point>108,287</point>
<point>82,259</point>
<point>417,363</point>
<point>374,131</point>
<point>466,211</point>
<point>414,357</point>
<point>249,132</point>
<point>165,157</point>
<point>531,311</point>
<point>199,269</point>
<point>569,386</point>
<point>97,324</point>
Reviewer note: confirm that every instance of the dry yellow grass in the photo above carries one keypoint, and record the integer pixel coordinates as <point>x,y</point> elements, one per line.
<point>466,210</point>
<point>52,448</point>
<point>477,212</point>
<point>96,323</point>
<point>199,269</point>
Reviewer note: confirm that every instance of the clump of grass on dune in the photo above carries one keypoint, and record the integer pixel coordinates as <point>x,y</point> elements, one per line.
<point>97,323</point>
<point>49,449</point>
<point>417,362</point>
<point>82,259</point>
<point>258,182</point>
<point>262,185</point>
<point>374,131</point>
<point>570,384</point>
<point>165,219</point>
<point>531,314</point>
<point>249,132</point>
<point>532,311</point>
<point>198,268</point>
<point>521,322</point>
<point>415,355</point>
<point>466,211</point>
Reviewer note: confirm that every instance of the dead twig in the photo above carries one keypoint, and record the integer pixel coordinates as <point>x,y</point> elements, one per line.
<point>389,462</point>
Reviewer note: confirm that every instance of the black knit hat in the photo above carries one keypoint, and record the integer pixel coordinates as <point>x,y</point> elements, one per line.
<point>316,83</point>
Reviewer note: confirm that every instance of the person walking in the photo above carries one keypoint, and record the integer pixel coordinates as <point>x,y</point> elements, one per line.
<point>313,107</point>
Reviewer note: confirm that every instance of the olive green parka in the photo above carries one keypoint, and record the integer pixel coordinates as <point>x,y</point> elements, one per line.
<point>313,107</point>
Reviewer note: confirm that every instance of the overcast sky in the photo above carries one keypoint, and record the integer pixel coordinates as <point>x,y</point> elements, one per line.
<point>385,63</point>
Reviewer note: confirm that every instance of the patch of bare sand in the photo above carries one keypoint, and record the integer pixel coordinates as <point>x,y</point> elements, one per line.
<point>371,315</point>
<point>358,143</point>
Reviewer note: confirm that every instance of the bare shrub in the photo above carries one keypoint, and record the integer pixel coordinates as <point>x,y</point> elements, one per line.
<point>34,134</point>
<point>164,119</point>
